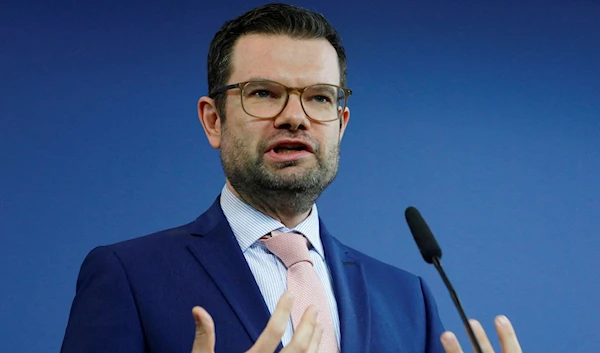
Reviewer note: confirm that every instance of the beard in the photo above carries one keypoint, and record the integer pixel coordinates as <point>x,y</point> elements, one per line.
<point>288,186</point>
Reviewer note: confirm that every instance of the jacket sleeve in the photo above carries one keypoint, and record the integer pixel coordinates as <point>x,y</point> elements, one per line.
<point>104,317</point>
<point>434,324</point>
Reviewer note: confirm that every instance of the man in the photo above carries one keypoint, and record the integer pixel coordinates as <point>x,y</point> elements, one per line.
<point>259,260</point>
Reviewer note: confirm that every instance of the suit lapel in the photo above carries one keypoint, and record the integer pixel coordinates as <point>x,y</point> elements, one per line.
<point>350,293</point>
<point>220,255</point>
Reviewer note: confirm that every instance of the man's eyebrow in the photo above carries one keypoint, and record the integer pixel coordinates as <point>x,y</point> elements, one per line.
<point>260,78</point>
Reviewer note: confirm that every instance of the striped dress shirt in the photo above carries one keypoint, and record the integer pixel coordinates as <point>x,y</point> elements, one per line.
<point>248,226</point>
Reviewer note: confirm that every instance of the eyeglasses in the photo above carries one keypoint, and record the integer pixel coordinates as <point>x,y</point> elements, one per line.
<point>267,99</point>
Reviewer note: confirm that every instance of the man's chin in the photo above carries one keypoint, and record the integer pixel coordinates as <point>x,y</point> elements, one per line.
<point>290,180</point>
<point>292,171</point>
<point>295,163</point>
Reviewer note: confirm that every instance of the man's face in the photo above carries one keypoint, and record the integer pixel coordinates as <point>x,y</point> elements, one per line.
<point>289,152</point>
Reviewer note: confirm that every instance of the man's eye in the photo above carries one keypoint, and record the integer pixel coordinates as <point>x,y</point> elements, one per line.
<point>322,99</point>
<point>263,93</point>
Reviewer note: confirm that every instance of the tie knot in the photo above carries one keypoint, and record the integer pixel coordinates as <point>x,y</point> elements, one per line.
<point>290,248</point>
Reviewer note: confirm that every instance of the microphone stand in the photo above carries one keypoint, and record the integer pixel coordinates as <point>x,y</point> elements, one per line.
<point>463,316</point>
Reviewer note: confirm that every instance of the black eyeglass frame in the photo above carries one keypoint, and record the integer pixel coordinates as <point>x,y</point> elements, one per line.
<point>299,90</point>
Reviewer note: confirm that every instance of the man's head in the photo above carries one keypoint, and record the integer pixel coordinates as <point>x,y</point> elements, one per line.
<point>272,19</point>
<point>279,147</point>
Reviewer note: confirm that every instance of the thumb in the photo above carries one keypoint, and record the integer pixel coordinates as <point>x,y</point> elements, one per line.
<point>204,339</point>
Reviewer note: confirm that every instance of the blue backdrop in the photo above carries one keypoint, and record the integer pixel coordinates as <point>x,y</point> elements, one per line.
<point>485,115</point>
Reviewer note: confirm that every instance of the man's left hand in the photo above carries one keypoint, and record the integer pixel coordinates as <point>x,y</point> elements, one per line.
<point>506,333</point>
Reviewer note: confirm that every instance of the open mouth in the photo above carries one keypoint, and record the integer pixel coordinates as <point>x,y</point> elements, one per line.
<point>286,148</point>
<point>289,146</point>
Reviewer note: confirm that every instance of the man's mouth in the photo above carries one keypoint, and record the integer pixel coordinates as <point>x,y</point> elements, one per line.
<point>288,148</point>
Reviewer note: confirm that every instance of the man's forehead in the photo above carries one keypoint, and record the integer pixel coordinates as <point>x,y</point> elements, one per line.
<point>282,56</point>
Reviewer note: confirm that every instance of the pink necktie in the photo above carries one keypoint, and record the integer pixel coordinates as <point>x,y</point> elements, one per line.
<point>303,283</point>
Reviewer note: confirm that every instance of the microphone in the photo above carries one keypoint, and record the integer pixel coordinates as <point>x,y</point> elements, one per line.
<point>432,253</point>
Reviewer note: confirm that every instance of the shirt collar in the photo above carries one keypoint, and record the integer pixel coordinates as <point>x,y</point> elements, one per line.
<point>249,225</point>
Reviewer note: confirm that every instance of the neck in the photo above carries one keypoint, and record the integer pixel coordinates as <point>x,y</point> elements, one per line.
<point>279,206</point>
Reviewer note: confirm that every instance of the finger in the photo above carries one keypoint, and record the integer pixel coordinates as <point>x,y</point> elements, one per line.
<point>270,338</point>
<point>204,339</point>
<point>450,343</point>
<point>315,340</point>
<point>481,337</point>
<point>507,335</point>
<point>303,332</point>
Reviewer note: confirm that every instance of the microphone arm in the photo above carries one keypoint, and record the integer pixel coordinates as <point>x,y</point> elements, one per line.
<point>438,265</point>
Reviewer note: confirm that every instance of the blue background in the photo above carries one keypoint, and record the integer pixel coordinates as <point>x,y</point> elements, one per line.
<point>485,115</point>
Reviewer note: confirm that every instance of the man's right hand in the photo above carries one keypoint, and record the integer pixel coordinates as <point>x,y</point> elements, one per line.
<point>306,339</point>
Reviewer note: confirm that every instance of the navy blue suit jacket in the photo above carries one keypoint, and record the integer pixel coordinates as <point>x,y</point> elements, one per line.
<point>136,296</point>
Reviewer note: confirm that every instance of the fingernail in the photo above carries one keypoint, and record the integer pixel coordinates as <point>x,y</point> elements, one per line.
<point>447,337</point>
<point>502,320</point>
<point>474,323</point>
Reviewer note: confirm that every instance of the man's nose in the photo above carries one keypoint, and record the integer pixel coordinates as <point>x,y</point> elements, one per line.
<point>293,116</point>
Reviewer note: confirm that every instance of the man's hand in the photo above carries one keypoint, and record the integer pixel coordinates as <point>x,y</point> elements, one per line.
<point>506,333</point>
<point>307,335</point>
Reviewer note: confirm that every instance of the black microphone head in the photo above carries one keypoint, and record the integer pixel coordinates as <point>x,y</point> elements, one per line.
<point>423,237</point>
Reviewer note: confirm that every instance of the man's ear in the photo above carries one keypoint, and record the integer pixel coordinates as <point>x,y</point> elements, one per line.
<point>210,120</point>
<point>344,121</point>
